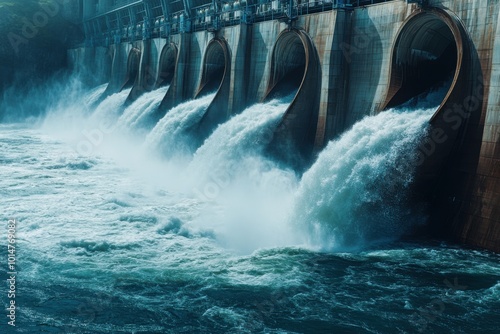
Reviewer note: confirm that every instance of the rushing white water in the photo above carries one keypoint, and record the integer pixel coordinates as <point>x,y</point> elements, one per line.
<point>170,134</point>
<point>135,114</point>
<point>95,94</point>
<point>355,192</point>
<point>249,194</point>
<point>243,136</point>
<point>107,243</point>
<point>111,107</point>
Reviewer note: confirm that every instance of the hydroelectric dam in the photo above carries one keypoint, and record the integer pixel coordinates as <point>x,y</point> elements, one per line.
<point>341,60</point>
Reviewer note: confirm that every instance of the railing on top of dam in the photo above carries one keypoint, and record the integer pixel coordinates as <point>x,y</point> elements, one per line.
<point>128,20</point>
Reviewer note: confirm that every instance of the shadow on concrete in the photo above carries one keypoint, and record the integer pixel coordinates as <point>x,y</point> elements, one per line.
<point>295,69</point>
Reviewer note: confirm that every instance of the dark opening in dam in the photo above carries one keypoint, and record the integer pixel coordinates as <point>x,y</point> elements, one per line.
<point>133,65</point>
<point>289,66</point>
<point>168,60</point>
<point>214,68</point>
<point>425,56</point>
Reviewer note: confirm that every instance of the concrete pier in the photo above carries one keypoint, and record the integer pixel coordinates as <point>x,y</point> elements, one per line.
<point>344,60</point>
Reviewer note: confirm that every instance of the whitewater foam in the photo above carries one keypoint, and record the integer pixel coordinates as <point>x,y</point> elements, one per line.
<point>171,134</point>
<point>356,190</point>
<point>247,194</point>
<point>135,115</point>
<point>353,194</point>
<point>111,107</point>
<point>243,136</point>
<point>94,94</point>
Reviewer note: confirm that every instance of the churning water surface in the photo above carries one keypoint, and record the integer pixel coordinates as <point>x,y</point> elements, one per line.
<point>125,232</point>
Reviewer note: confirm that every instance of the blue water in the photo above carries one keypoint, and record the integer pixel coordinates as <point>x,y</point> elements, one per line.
<point>113,238</point>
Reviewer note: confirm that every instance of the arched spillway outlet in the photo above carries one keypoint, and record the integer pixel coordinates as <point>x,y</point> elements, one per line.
<point>295,70</point>
<point>288,66</point>
<point>432,47</point>
<point>216,63</point>
<point>106,66</point>
<point>167,65</point>
<point>133,64</point>
<point>214,78</point>
<point>428,52</point>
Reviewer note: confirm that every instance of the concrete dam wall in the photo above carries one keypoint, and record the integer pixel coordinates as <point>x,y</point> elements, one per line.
<point>342,61</point>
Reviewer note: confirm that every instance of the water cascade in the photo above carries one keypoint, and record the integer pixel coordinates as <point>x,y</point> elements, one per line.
<point>357,190</point>
<point>171,133</point>
<point>111,107</point>
<point>246,195</point>
<point>243,135</point>
<point>225,240</point>
<point>137,114</point>
<point>93,96</point>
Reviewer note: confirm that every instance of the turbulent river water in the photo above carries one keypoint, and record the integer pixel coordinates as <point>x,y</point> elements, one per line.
<point>127,229</point>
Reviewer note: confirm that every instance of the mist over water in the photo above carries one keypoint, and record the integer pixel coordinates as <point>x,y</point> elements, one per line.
<point>29,101</point>
<point>125,232</point>
<point>353,195</point>
<point>112,107</point>
<point>249,194</point>
<point>94,94</point>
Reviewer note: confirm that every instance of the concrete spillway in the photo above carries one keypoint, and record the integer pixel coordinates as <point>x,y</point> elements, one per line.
<point>166,70</point>
<point>288,65</point>
<point>214,78</point>
<point>295,70</point>
<point>431,50</point>
<point>342,65</point>
<point>133,64</point>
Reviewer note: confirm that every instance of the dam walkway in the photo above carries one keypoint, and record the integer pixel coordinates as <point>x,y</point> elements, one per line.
<point>113,22</point>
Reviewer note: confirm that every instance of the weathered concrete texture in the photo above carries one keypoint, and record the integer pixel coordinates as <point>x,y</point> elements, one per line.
<point>239,69</point>
<point>465,160</point>
<point>367,50</point>
<point>215,76</point>
<point>471,191</point>
<point>329,33</point>
<point>295,67</point>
